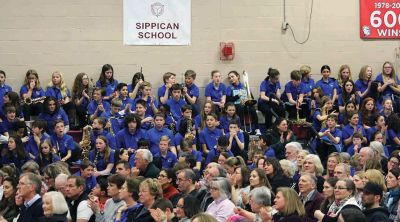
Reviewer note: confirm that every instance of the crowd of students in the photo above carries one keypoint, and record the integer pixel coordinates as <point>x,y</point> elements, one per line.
<point>164,157</point>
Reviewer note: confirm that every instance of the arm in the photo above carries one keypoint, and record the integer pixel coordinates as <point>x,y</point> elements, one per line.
<point>263,96</point>
<point>105,172</point>
<point>164,98</point>
<point>335,95</point>
<point>135,90</point>
<point>290,98</point>
<point>69,154</point>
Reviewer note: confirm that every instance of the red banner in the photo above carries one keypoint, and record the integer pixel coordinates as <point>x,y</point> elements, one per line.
<point>379,19</point>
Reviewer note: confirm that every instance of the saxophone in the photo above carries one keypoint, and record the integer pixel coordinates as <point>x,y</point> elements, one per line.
<point>85,143</point>
<point>189,130</point>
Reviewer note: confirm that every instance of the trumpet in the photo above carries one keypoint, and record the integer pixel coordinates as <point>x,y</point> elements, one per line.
<point>249,100</point>
<point>29,101</point>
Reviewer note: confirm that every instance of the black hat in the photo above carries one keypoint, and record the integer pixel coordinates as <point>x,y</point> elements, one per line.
<point>373,188</point>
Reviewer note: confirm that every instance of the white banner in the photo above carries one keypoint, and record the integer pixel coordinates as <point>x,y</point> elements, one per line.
<point>157,22</point>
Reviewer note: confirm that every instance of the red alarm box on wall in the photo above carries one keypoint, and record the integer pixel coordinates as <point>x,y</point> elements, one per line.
<point>227,50</point>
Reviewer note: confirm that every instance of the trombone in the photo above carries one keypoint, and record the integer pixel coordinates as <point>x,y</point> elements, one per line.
<point>249,101</point>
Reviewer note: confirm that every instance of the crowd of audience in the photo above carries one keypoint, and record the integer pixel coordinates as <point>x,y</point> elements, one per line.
<point>328,150</point>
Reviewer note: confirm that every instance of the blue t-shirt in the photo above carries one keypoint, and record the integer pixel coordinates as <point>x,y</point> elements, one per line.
<point>109,88</point>
<point>216,94</point>
<point>388,91</point>
<point>168,161</point>
<point>154,135</point>
<point>36,93</point>
<point>125,139</point>
<point>56,93</point>
<point>234,146</point>
<point>210,137</point>
<point>3,90</point>
<point>99,162</point>
<point>308,85</point>
<point>294,90</point>
<point>328,87</point>
<point>93,106</point>
<point>269,88</point>
<point>51,118</point>
<point>175,107</point>
<point>63,144</point>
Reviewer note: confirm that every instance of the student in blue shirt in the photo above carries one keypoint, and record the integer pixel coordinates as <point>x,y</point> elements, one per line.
<point>228,115</point>
<point>37,136</point>
<point>97,106</point>
<point>200,120</point>
<point>58,89</point>
<point>12,99</point>
<point>187,147</point>
<point>164,92</point>
<point>387,108</point>
<point>14,153</point>
<point>127,102</point>
<point>356,145</point>
<point>45,155</point>
<point>186,113</point>
<point>62,143</point>
<point>154,134</point>
<point>168,158</point>
<point>146,95</point>
<point>352,127</point>
<point>368,112</point>
<point>115,119</point>
<point>330,139</point>
<point>237,93</point>
<point>102,157</point>
<point>363,83</point>
<point>191,91</point>
<point>380,125</point>
<point>344,75</point>
<point>31,90</point>
<point>186,131</point>
<point>98,130</point>
<point>348,94</point>
<point>306,80</point>
<point>220,147</point>
<point>146,121</point>
<point>133,88</point>
<point>328,84</point>
<point>236,140</point>
<point>393,128</point>
<point>321,114</point>
<point>107,82</point>
<point>262,145</point>
<point>52,112</point>
<point>215,91</point>
<point>129,136</point>
<point>269,101</point>
<point>9,121</point>
<point>4,88</point>
<point>86,170</point>
<point>293,96</point>
<point>210,134</point>
<point>344,116</point>
<point>175,102</point>
<point>81,93</point>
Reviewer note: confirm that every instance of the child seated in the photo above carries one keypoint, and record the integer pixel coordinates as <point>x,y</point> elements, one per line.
<point>222,146</point>
<point>168,158</point>
<point>210,134</point>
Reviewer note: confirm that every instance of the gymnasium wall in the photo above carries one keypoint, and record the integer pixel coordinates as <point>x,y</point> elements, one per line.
<point>80,36</point>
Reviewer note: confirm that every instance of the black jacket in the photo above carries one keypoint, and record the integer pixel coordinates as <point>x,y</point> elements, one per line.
<point>55,218</point>
<point>32,213</point>
<point>379,214</point>
<point>140,214</point>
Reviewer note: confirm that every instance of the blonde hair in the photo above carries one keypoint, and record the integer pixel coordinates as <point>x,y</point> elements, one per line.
<point>58,202</point>
<point>295,206</point>
<point>375,176</point>
<point>63,86</point>
<point>305,70</point>
<point>319,169</point>
<point>343,67</point>
<point>154,187</point>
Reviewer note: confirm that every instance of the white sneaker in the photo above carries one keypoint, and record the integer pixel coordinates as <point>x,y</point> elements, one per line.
<point>258,132</point>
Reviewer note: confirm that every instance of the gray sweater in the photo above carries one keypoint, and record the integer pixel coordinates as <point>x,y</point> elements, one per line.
<point>110,208</point>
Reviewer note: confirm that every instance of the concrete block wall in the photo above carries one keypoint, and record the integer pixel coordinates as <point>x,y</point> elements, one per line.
<point>80,36</point>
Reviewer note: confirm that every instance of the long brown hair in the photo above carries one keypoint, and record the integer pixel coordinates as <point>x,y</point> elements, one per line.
<point>78,87</point>
<point>107,150</point>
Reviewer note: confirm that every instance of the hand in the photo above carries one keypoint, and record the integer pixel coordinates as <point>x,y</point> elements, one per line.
<point>289,135</point>
<point>233,134</point>
<point>158,215</point>
<point>184,90</point>
<point>245,198</point>
<point>93,204</point>
<point>275,101</point>
<point>355,148</point>
<point>139,82</point>
<point>36,138</point>
<point>100,107</point>
<point>67,100</point>
<point>84,94</point>
<point>25,139</point>
<point>327,132</point>
<point>390,82</point>
<point>32,84</point>
<point>266,213</point>
<point>313,104</point>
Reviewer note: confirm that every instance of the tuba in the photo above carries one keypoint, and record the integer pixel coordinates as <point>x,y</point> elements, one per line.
<point>85,143</point>
<point>249,101</point>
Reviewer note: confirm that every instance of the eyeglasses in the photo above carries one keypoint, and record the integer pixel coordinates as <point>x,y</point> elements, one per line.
<point>179,206</point>
<point>340,188</point>
<point>393,162</point>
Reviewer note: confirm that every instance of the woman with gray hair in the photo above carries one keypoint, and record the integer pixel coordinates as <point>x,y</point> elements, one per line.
<point>312,165</point>
<point>222,207</point>
<point>55,207</point>
<point>260,201</point>
<point>380,156</point>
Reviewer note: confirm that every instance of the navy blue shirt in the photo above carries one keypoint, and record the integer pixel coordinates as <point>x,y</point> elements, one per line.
<point>56,93</point>
<point>168,161</point>
<point>109,136</point>
<point>154,135</point>
<point>36,93</point>
<point>32,147</point>
<point>175,107</point>
<point>308,85</point>
<point>294,90</point>
<point>388,91</point>
<point>90,182</point>
<point>63,144</point>
<point>51,118</point>
<point>109,88</point>
<point>215,94</point>
<point>348,132</point>
<point>93,106</point>
<point>328,87</point>
<point>234,146</point>
<point>3,90</point>
<point>99,162</point>
<point>125,139</point>
<point>269,88</point>
<point>210,137</point>
<point>214,154</point>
